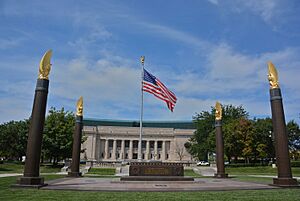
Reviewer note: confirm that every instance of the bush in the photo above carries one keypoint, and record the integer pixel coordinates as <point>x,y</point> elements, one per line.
<point>295,163</point>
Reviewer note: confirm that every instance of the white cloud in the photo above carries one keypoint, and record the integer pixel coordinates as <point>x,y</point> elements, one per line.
<point>9,43</point>
<point>175,34</point>
<point>215,2</point>
<point>270,11</point>
<point>110,85</point>
<point>265,8</point>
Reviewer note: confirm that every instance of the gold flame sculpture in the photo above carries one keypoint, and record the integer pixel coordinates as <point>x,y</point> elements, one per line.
<point>143,59</point>
<point>272,76</point>
<point>45,66</point>
<point>79,107</point>
<point>218,113</point>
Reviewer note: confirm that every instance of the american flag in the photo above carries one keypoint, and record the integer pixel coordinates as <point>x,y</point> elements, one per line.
<point>154,86</point>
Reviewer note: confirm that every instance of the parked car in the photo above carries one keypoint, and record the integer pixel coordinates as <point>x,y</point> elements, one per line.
<point>202,163</point>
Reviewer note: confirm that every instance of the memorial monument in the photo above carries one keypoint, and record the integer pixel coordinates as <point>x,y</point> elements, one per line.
<point>156,171</point>
<point>31,176</point>
<point>280,133</point>
<point>77,140</point>
<point>219,143</point>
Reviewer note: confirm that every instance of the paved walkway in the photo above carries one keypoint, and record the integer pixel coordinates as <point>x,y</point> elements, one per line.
<point>205,170</point>
<point>109,184</point>
<point>10,175</point>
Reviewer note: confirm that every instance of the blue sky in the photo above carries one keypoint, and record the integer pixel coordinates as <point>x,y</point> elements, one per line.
<point>204,51</point>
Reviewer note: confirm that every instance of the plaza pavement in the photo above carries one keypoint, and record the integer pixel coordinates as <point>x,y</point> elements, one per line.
<point>114,184</point>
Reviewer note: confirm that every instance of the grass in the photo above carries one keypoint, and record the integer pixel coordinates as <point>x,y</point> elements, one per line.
<point>261,170</point>
<point>191,173</point>
<point>102,171</point>
<point>12,194</point>
<point>15,194</point>
<point>19,168</point>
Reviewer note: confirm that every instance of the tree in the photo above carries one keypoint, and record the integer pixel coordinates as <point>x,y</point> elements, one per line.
<point>233,139</point>
<point>294,138</point>
<point>264,139</point>
<point>199,145</point>
<point>13,139</point>
<point>179,150</point>
<point>58,132</point>
<point>203,140</point>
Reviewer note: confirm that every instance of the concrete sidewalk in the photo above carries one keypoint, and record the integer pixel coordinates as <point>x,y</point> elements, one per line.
<point>11,174</point>
<point>205,170</point>
<point>114,184</point>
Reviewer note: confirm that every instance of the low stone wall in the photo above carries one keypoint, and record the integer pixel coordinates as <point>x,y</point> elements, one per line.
<point>155,169</point>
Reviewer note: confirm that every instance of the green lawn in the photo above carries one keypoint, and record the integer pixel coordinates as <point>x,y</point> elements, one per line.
<point>191,173</point>
<point>14,194</point>
<point>8,193</point>
<point>19,168</point>
<point>260,170</point>
<point>11,168</point>
<point>102,171</point>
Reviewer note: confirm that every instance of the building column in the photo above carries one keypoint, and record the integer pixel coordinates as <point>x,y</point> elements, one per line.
<point>97,148</point>
<point>106,149</point>
<point>130,151</point>
<point>93,152</point>
<point>163,151</point>
<point>172,156</point>
<point>147,150</point>
<point>155,150</point>
<point>122,155</point>
<point>114,151</point>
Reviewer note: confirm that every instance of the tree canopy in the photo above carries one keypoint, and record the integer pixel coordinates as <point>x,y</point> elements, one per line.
<point>58,131</point>
<point>13,139</point>
<point>250,139</point>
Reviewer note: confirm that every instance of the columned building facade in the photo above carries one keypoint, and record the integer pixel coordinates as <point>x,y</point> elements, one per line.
<point>113,141</point>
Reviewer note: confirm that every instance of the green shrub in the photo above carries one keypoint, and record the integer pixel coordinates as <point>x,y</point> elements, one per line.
<point>295,163</point>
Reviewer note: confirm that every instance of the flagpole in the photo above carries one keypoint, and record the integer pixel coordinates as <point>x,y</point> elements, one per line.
<point>142,106</point>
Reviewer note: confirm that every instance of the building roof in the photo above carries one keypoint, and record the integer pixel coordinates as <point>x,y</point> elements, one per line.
<point>132,123</point>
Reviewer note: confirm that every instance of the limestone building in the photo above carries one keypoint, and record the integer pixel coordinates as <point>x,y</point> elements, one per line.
<point>112,140</point>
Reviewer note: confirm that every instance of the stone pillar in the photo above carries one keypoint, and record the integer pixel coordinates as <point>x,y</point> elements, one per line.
<point>140,150</point>
<point>147,150</point>
<point>31,177</point>
<point>114,151</point>
<point>220,151</point>
<point>122,155</point>
<point>172,154</point>
<point>281,141</point>
<point>155,150</point>
<point>106,150</point>
<point>163,151</point>
<point>75,171</point>
<point>130,151</point>
<point>93,152</point>
<point>98,147</point>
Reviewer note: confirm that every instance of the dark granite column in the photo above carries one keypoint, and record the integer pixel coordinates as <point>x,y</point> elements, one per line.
<point>281,141</point>
<point>220,151</point>
<point>31,175</point>
<point>76,148</point>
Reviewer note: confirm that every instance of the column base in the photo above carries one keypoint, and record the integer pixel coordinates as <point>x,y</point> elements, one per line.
<point>74,174</point>
<point>285,182</point>
<point>30,182</point>
<point>221,175</point>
